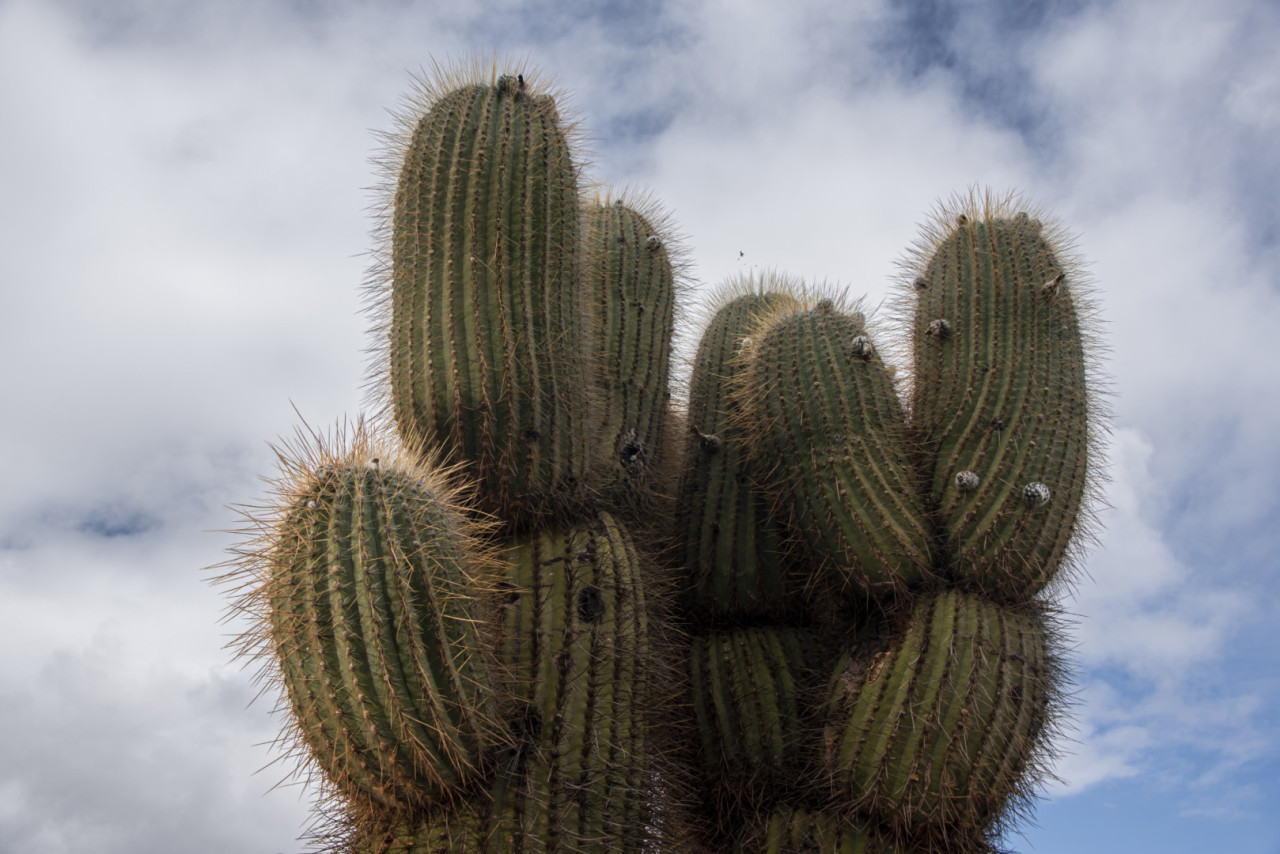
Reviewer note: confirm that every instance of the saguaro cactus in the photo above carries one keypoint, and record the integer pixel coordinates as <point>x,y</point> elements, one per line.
<point>538,609</point>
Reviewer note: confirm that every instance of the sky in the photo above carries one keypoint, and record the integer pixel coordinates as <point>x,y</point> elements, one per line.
<point>185,223</point>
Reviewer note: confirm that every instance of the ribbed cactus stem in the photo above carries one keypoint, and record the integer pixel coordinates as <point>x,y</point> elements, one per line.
<point>375,606</point>
<point>791,829</point>
<point>488,339</point>
<point>942,725</point>
<point>575,652</point>
<point>1000,400</point>
<point>831,432</point>
<point>746,687</point>
<point>732,544</point>
<point>576,645</point>
<point>632,281</point>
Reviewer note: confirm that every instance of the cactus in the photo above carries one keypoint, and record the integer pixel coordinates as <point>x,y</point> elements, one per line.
<point>533,617</point>
<point>487,341</point>
<point>631,271</point>
<point>370,588</point>
<point>813,382</point>
<point>732,544</point>
<point>933,728</point>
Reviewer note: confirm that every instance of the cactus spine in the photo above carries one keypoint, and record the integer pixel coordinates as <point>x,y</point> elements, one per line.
<point>862,658</point>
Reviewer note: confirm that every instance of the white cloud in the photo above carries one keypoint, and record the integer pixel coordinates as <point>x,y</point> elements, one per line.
<point>1151,638</point>
<point>184,221</point>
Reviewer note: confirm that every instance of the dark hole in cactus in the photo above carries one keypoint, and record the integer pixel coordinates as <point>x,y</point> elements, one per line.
<point>590,604</point>
<point>509,594</point>
<point>631,455</point>
<point>530,434</point>
<point>631,452</point>
<point>526,728</point>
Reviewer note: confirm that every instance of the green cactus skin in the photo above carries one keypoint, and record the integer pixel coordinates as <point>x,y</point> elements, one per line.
<point>826,417</point>
<point>733,546</point>
<point>790,830</point>
<point>1000,400</point>
<point>940,727</point>
<point>629,268</point>
<point>375,618</point>
<point>488,337</point>
<point>746,697</point>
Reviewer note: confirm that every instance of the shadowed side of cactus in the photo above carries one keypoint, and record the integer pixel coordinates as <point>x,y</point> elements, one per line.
<point>732,543</point>
<point>1000,405</point>
<point>372,590</point>
<point>631,263</point>
<point>830,431</point>
<point>488,335</point>
<point>747,687</point>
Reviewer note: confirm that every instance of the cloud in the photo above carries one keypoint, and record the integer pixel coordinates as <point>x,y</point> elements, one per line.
<point>186,233</point>
<point>1153,639</point>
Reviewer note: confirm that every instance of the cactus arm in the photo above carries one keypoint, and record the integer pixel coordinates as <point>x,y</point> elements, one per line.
<point>1001,396</point>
